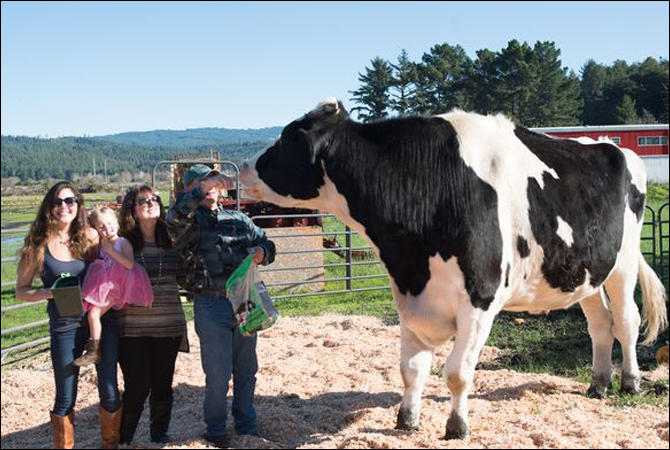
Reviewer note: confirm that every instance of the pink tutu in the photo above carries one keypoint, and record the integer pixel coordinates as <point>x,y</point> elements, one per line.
<point>109,283</point>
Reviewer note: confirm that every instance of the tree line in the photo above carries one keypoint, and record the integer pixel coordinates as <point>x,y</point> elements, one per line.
<point>29,158</point>
<point>528,84</point>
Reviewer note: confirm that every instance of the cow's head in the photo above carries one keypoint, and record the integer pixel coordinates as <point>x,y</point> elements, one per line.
<point>290,171</point>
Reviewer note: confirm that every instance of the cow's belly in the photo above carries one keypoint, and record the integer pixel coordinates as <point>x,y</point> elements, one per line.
<point>536,296</point>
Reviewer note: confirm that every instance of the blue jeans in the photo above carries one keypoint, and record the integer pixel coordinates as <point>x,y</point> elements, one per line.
<point>66,346</point>
<point>225,352</point>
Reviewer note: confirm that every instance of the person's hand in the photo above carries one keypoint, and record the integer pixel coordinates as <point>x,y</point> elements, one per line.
<point>259,254</point>
<point>218,181</point>
<point>106,246</point>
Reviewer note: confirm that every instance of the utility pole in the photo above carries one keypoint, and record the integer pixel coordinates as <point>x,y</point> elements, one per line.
<point>105,171</point>
<point>94,171</point>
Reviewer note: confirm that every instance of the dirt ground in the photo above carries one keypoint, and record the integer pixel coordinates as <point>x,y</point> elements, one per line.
<point>334,382</point>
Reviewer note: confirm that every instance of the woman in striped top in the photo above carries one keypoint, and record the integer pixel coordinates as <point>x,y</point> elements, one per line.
<point>150,337</point>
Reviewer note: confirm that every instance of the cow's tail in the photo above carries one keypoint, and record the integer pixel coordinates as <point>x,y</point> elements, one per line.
<point>654,315</point>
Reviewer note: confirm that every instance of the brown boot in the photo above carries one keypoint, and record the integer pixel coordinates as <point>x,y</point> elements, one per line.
<point>110,422</point>
<point>62,430</point>
<point>91,354</point>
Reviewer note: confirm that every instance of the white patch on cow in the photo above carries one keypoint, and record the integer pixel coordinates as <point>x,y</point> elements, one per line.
<point>636,168</point>
<point>431,315</point>
<point>329,102</point>
<point>564,231</point>
<point>489,146</point>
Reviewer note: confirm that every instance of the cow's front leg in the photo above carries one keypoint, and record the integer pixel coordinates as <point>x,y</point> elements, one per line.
<point>474,326</point>
<point>415,360</point>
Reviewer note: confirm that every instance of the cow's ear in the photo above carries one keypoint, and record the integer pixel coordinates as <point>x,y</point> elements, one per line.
<point>329,109</point>
<point>324,120</point>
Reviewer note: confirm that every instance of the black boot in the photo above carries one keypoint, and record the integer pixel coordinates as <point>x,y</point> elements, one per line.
<point>161,411</point>
<point>129,421</point>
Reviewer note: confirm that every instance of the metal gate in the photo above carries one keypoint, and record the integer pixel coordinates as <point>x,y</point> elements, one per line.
<point>664,243</point>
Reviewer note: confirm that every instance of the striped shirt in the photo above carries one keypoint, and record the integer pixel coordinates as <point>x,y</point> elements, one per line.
<point>165,318</point>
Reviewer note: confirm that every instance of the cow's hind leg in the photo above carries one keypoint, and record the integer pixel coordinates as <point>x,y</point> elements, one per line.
<point>620,288</point>
<point>415,361</point>
<point>473,328</point>
<point>600,329</point>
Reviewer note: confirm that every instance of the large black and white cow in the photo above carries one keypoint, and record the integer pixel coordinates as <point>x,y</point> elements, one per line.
<point>472,215</point>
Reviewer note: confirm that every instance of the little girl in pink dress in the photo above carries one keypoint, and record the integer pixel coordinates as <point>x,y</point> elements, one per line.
<point>114,281</point>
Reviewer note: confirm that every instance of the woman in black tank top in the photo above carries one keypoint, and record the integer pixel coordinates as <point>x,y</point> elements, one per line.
<point>60,241</point>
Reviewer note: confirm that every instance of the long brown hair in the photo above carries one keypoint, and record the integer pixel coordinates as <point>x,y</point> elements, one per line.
<point>44,227</point>
<point>130,226</point>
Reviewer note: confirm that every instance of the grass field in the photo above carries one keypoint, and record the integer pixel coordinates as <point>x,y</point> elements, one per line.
<point>557,343</point>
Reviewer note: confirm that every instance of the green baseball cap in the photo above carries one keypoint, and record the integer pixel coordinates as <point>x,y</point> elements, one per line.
<point>197,172</point>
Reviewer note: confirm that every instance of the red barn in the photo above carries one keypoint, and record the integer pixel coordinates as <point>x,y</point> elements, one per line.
<point>642,139</point>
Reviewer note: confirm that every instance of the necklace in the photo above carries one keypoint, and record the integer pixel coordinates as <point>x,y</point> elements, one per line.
<point>160,265</point>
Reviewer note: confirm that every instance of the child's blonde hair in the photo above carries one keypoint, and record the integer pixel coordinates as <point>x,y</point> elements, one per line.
<point>94,215</point>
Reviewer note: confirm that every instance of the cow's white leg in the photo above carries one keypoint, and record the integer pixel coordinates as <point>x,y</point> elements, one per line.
<point>473,328</point>
<point>415,361</point>
<point>600,329</point>
<point>621,289</point>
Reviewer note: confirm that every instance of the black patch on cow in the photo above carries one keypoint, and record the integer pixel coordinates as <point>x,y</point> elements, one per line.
<point>290,166</point>
<point>636,200</point>
<point>522,247</point>
<point>507,275</point>
<point>406,183</point>
<point>589,195</point>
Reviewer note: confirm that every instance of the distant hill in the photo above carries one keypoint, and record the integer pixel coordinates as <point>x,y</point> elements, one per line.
<point>194,137</point>
<point>66,157</point>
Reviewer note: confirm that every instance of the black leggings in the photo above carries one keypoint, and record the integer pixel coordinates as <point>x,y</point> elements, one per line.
<point>147,364</point>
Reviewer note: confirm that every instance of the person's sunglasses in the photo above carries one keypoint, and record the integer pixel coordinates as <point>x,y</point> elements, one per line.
<point>69,201</point>
<point>148,200</point>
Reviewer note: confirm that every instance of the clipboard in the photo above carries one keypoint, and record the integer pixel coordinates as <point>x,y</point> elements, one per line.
<point>66,292</point>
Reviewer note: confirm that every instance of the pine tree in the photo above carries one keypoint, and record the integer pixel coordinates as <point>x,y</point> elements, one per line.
<point>625,111</point>
<point>484,83</point>
<point>404,88</point>
<point>592,85</point>
<point>442,78</point>
<point>516,87</point>
<point>373,95</point>
<point>555,99</point>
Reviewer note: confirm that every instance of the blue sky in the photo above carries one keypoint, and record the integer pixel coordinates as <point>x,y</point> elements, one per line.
<point>93,68</point>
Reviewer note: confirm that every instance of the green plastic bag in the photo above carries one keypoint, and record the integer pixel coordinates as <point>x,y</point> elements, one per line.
<point>250,298</point>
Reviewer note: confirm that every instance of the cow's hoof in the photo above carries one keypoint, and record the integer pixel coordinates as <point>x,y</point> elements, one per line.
<point>597,391</point>
<point>407,421</point>
<point>457,428</point>
<point>630,384</point>
<point>599,386</point>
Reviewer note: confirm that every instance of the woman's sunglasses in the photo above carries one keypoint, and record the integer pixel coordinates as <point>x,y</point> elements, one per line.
<point>148,200</point>
<point>69,201</point>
